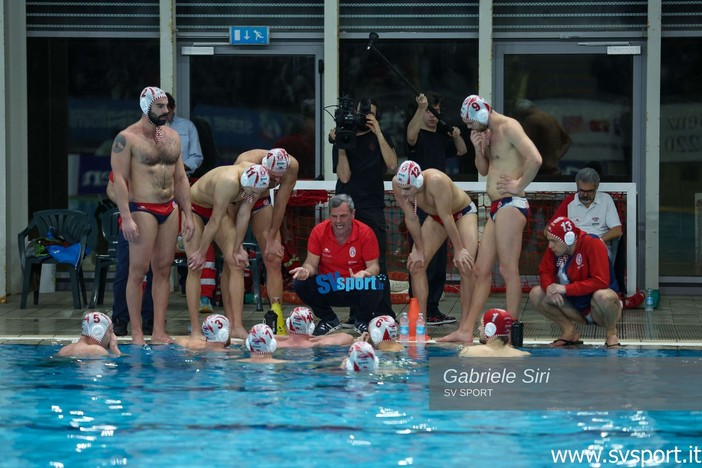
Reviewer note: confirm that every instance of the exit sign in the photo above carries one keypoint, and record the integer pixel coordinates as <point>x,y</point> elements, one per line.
<point>248,35</point>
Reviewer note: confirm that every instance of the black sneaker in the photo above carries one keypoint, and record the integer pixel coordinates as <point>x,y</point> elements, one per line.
<point>439,318</point>
<point>324,327</point>
<point>360,327</point>
<point>147,326</point>
<point>119,326</point>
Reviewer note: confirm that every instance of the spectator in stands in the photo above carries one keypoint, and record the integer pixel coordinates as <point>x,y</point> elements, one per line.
<point>451,214</point>
<point>577,284</point>
<point>361,173</point>
<point>509,159</point>
<point>431,143</point>
<point>211,196</point>
<point>592,211</point>
<point>341,269</point>
<point>267,218</point>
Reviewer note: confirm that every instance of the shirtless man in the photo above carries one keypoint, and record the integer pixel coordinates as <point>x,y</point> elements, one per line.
<point>96,339</point>
<point>262,344</point>
<point>510,160</point>
<point>494,332</point>
<point>211,196</point>
<point>300,325</point>
<point>266,220</point>
<point>451,213</point>
<point>147,156</point>
<point>215,335</point>
<point>382,334</point>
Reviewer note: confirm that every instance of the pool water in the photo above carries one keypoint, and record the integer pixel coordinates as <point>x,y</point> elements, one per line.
<point>166,406</point>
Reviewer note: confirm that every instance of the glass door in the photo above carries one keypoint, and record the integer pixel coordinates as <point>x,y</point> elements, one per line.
<point>249,99</point>
<point>592,90</point>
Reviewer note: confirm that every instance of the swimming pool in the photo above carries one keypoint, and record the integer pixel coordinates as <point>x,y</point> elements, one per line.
<point>168,407</point>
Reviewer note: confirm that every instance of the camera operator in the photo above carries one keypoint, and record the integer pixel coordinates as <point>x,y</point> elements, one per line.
<point>430,143</point>
<point>361,161</point>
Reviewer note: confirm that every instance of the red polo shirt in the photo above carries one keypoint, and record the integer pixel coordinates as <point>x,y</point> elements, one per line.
<point>360,247</point>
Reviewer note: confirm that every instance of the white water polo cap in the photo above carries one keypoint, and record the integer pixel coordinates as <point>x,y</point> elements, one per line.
<point>148,96</point>
<point>277,161</point>
<point>255,177</point>
<point>475,109</point>
<point>410,175</point>
<point>361,357</point>
<point>216,328</point>
<point>95,325</point>
<point>383,328</point>
<point>300,321</point>
<point>261,340</point>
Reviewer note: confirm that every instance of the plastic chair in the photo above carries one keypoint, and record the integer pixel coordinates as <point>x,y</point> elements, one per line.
<point>110,231</point>
<point>74,227</point>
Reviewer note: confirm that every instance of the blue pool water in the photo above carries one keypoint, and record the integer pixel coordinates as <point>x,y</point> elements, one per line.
<point>169,407</point>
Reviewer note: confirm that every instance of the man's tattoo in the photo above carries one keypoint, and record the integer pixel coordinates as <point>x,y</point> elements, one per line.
<point>119,143</point>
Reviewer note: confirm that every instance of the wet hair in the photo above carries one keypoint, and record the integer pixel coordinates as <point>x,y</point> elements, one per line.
<point>337,200</point>
<point>588,175</point>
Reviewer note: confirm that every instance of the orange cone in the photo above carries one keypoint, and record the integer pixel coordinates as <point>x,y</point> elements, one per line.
<point>413,313</point>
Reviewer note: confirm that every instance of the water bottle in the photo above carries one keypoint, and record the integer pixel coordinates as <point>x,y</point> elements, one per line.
<point>270,319</point>
<point>649,300</point>
<point>404,328</point>
<point>421,330</point>
<point>517,334</point>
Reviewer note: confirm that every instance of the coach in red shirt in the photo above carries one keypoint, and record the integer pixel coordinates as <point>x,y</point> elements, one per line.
<point>577,283</point>
<point>341,268</point>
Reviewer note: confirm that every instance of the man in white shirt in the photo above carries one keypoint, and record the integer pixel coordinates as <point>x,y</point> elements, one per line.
<point>592,211</point>
<point>190,150</point>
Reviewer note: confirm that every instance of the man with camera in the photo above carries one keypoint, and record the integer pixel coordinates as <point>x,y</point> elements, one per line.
<point>362,155</point>
<point>430,143</point>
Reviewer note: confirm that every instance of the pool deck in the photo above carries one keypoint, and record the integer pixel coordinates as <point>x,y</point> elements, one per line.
<point>676,323</point>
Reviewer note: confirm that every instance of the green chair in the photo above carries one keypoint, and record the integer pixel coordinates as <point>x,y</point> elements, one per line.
<point>71,225</point>
<point>103,261</point>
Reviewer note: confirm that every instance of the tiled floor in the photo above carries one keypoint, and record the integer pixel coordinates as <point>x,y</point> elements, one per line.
<point>677,321</point>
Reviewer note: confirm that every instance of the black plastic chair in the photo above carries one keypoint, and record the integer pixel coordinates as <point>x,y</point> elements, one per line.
<point>71,225</point>
<point>110,232</point>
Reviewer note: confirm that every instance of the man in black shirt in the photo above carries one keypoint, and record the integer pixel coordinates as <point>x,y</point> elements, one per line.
<point>429,146</point>
<point>361,174</point>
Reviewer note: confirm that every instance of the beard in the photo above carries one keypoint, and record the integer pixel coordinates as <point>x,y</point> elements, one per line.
<point>156,120</point>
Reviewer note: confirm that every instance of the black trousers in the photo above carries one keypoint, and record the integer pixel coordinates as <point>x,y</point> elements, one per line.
<point>322,299</point>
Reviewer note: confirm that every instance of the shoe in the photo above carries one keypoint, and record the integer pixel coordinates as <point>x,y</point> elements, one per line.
<point>147,326</point>
<point>360,327</point>
<point>439,318</point>
<point>634,301</point>
<point>349,323</point>
<point>324,327</point>
<point>119,326</point>
<point>205,305</point>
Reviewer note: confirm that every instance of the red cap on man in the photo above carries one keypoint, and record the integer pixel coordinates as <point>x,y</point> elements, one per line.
<point>563,230</point>
<point>496,322</point>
